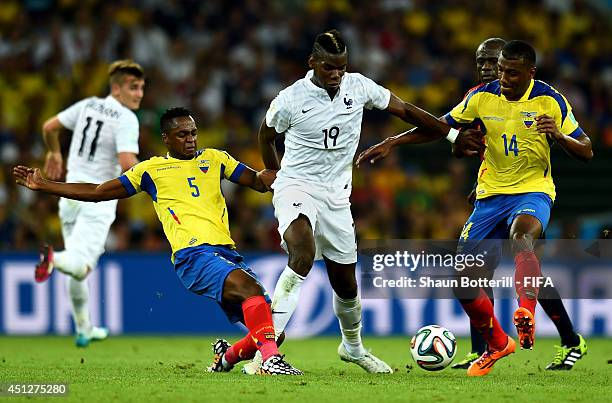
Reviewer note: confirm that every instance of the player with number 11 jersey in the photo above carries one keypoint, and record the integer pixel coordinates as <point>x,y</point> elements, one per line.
<point>104,143</point>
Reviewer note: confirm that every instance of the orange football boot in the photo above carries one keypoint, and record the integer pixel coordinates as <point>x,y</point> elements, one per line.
<point>484,364</point>
<point>525,327</point>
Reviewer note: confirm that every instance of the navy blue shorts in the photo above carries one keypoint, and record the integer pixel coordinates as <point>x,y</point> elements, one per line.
<point>492,218</point>
<point>203,269</point>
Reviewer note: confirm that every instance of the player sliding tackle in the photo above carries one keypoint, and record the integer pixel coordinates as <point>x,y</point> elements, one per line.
<point>186,192</point>
<point>320,116</point>
<point>522,118</point>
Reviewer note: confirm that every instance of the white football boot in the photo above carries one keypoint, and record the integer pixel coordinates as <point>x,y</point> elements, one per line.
<point>369,362</point>
<point>252,367</point>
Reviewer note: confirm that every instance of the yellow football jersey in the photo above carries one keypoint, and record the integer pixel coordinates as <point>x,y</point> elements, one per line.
<point>187,195</point>
<point>517,157</point>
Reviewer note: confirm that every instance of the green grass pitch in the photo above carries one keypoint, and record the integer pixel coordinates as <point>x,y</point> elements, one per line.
<point>173,369</point>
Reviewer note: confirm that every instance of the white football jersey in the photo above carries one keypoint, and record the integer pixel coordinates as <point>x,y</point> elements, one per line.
<point>321,134</point>
<point>102,128</point>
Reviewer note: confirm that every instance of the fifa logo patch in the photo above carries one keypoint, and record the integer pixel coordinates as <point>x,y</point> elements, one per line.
<point>528,118</point>
<point>204,165</point>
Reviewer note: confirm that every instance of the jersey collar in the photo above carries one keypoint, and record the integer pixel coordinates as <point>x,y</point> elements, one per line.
<point>114,100</point>
<point>525,96</point>
<point>313,87</point>
<point>197,154</point>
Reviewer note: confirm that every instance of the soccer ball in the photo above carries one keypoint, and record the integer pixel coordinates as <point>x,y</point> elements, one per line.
<point>433,347</point>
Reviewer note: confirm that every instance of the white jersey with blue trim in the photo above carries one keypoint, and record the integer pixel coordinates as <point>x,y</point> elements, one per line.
<point>322,134</point>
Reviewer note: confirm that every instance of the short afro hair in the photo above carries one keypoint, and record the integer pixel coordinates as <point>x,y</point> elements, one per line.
<point>516,50</point>
<point>165,121</point>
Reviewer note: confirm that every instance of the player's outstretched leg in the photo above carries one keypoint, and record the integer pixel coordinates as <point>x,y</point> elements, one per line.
<point>573,346</point>
<point>79,296</point>
<point>240,287</point>
<point>220,363</point>
<point>347,308</point>
<point>72,263</point>
<point>225,355</point>
<point>525,327</point>
<point>484,364</point>
<point>480,311</point>
<point>301,249</point>
<point>348,312</point>
<point>525,229</point>
<point>44,268</point>
<point>527,266</point>
<point>566,356</point>
<point>479,345</point>
<point>252,367</point>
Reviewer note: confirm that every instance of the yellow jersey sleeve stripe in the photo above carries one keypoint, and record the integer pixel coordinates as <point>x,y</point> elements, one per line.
<point>237,172</point>
<point>576,133</point>
<point>468,110</point>
<point>127,185</point>
<point>540,88</point>
<point>449,119</point>
<point>147,184</point>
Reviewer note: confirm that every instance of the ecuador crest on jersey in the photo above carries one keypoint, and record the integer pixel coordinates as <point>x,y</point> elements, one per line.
<point>204,165</point>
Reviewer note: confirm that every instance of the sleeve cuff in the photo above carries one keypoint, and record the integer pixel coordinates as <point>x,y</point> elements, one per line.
<point>576,133</point>
<point>386,100</point>
<point>127,185</point>
<point>237,172</point>
<point>61,117</point>
<point>452,122</point>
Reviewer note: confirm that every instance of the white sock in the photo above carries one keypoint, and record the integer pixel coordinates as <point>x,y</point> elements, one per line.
<point>79,295</point>
<point>285,298</point>
<point>348,312</point>
<point>70,263</point>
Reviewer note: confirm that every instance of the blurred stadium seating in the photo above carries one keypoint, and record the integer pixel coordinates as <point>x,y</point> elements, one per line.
<point>227,60</point>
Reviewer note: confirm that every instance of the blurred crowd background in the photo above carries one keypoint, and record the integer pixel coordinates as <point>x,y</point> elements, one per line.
<point>227,60</point>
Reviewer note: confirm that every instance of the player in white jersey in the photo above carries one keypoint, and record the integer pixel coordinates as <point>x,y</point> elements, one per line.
<point>320,116</point>
<point>104,144</point>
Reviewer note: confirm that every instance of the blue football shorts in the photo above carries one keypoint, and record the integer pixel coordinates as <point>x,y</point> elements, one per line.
<point>203,269</point>
<point>492,218</point>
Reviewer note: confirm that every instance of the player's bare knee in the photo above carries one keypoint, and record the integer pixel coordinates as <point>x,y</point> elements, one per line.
<point>522,242</point>
<point>301,260</point>
<point>300,245</point>
<point>252,289</point>
<point>345,286</point>
<point>346,291</point>
<point>239,286</point>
